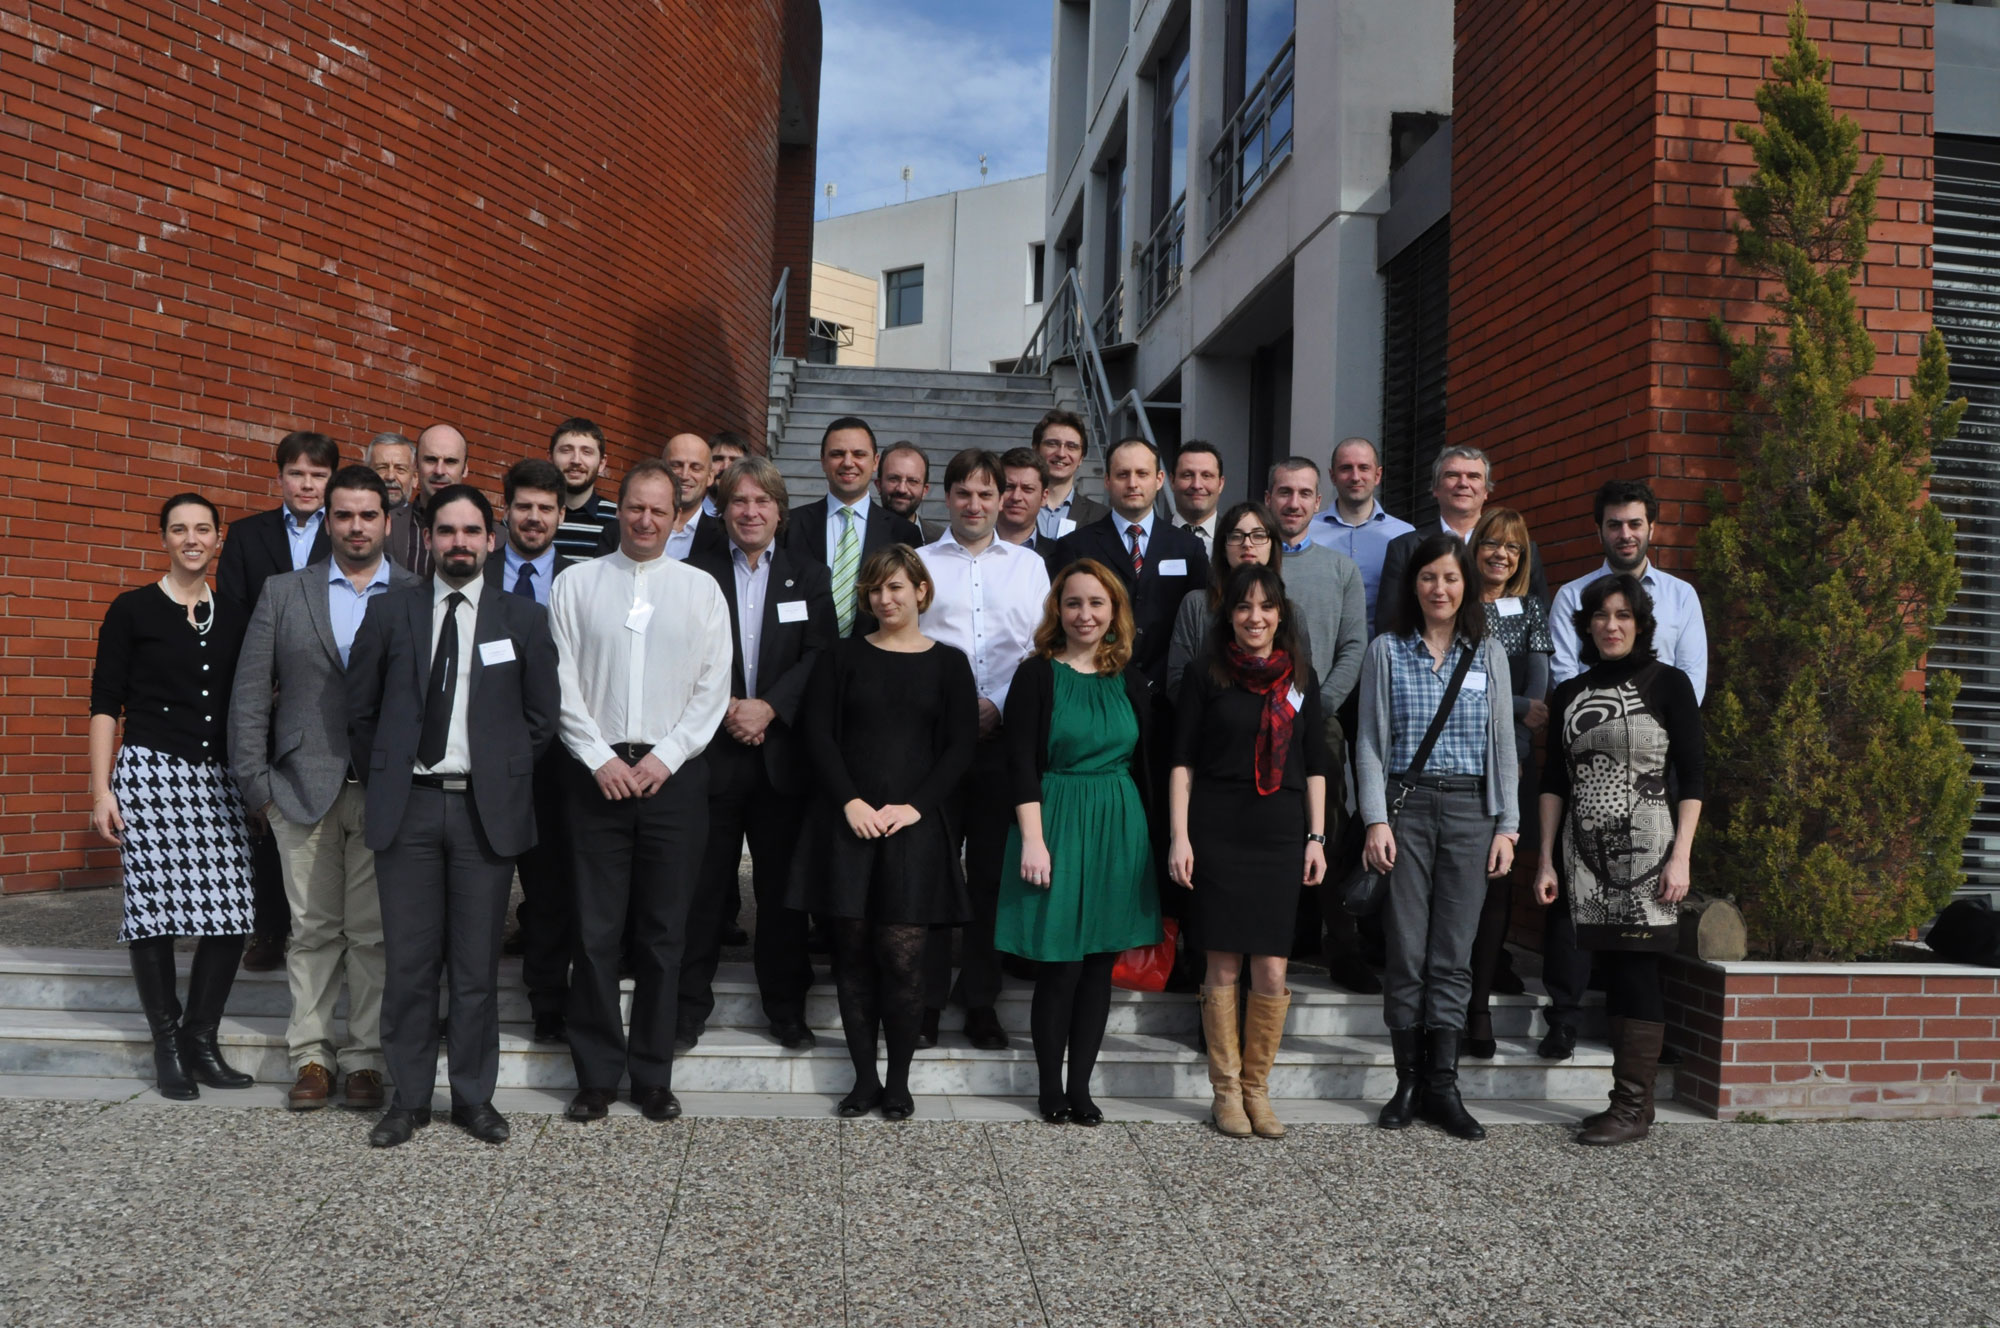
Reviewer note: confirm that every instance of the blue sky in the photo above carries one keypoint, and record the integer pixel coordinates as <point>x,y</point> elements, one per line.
<point>930,84</point>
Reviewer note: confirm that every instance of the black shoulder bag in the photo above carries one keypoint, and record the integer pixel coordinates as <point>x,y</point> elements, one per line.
<point>1363,891</point>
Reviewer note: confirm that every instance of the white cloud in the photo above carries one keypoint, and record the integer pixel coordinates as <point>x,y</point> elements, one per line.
<point>898,90</point>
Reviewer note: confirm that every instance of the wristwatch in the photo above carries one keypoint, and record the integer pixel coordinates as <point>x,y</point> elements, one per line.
<point>1315,839</point>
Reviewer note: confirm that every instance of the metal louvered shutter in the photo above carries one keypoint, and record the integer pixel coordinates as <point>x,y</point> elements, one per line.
<point>1416,308</point>
<point>1965,286</point>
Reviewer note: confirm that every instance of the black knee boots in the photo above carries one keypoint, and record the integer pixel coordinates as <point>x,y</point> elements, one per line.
<point>1442,1106</point>
<point>153,972</point>
<point>1401,1108</point>
<point>208,991</point>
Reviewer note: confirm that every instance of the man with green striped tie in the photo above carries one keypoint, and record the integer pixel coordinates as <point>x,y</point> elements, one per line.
<point>840,530</point>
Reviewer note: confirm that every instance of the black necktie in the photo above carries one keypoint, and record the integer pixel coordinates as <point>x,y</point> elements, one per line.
<point>444,686</point>
<point>524,584</point>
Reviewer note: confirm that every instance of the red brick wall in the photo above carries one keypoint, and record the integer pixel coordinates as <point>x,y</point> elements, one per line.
<point>1590,213</point>
<point>226,220</point>
<point>1883,1040</point>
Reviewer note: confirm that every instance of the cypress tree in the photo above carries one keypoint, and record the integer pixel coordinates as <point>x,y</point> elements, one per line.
<point>1839,792</point>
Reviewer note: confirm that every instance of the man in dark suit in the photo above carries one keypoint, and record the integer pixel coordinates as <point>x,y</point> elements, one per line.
<point>1027,479</point>
<point>839,531</point>
<point>781,620</point>
<point>1462,483</point>
<point>1060,439</point>
<point>452,695</point>
<point>285,539</point>
<point>1158,563</point>
<point>903,481</point>
<point>527,562</point>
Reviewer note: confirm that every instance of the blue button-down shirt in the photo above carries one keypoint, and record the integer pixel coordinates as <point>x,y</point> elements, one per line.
<point>299,534</point>
<point>346,605</point>
<point>1366,543</point>
<point>545,570</point>
<point>1680,636</point>
<point>1415,689</point>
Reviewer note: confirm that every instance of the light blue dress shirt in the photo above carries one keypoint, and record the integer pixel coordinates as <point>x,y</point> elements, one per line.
<point>1680,636</point>
<point>300,535</point>
<point>545,570</point>
<point>345,605</point>
<point>833,508</point>
<point>1367,544</point>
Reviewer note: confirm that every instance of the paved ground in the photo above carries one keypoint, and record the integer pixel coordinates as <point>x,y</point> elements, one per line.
<point>141,1214</point>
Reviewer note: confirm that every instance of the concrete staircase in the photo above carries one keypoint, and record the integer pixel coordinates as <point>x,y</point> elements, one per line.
<point>941,412</point>
<point>74,1014</point>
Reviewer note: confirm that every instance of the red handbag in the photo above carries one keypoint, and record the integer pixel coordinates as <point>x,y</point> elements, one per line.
<point>1145,967</point>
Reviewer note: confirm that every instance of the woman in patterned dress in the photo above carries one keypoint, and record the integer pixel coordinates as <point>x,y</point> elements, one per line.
<point>1518,621</point>
<point>1620,734</point>
<point>165,658</point>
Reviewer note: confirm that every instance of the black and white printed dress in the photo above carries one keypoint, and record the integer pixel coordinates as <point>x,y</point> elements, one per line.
<point>187,851</point>
<point>1617,732</point>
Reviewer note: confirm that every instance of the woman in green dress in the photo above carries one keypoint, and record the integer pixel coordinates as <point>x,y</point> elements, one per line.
<point>1077,886</point>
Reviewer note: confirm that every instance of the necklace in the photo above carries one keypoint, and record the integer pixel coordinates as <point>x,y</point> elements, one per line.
<point>198,620</point>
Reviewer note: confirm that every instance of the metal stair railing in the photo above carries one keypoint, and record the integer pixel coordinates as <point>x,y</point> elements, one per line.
<point>1065,333</point>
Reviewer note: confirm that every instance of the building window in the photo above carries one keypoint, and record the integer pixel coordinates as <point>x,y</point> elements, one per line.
<point>1111,278</point>
<point>905,291</point>
<point>1038,272</point>
<point>1416,309</point>
<point>1257,98</point>
<point>1159,264</point>
<point>824,339</point>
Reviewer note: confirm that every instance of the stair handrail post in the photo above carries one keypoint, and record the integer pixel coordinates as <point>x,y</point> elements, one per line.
<point>779,300</point>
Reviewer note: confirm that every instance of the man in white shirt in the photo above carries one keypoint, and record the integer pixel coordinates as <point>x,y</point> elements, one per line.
<point>643,644</point>
<point>1197,484</point>
<point>988,603</point>
<point>1357,525</point>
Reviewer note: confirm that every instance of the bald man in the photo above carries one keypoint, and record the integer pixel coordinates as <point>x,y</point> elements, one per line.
<point>692,464</point>
<point>441,454</point>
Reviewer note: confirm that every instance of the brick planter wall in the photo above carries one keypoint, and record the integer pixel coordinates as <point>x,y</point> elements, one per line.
<point>1799,1041</point>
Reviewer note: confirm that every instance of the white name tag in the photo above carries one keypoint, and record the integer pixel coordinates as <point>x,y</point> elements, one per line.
<point>1064,526</point>
<point>792,610</point>
<point>1475,681</point>
<point>1510,607</point>
<point>637,619</point>
<point>1173,567</point>
<point>496,652</point>
<point>1297,698</point>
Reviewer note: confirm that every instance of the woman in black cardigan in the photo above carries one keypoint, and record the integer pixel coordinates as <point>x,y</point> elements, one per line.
<point>1077,883</point>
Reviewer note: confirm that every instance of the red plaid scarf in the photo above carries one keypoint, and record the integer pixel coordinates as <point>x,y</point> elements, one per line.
<point>1270,678</point>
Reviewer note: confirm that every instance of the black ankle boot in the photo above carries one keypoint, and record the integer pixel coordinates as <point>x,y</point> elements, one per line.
<point>1400,1109</point>
<point>208,991</point>
<point>1442,1105</point>
<point>153,972</point>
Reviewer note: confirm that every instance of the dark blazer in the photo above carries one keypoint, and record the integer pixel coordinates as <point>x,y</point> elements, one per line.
<point>1083,509</point>
<point>496,569</point>
<point>1396,564</point>
<point>805,540</point>
<point>1051,556</point>
<point>786,651</point>
<point>1155,598</point>
<point>511,715</point>
<point>256,550</point>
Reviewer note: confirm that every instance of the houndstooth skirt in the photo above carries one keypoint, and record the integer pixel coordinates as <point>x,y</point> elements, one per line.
<point>187,851</point>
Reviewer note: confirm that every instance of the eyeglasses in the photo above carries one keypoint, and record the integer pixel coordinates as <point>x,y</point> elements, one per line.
<point>1487,545</point>
<point>1253,538</point>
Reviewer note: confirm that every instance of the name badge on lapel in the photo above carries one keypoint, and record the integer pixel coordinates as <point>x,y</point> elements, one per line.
<point>1297,698</point>
<point>1173,567</point>
<point>792,610</point>
<point>1064,526</point>
<point>1475,681</point>
<point>496,652</point>
<point>1509,606</point>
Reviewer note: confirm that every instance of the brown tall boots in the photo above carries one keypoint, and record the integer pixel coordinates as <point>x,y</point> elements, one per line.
<point>1225,1062</point>
<point>1263,1026</point>
<point>1635,1046</point>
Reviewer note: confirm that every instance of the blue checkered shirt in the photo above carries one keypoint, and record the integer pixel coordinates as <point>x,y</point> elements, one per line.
<point>1415,689</point>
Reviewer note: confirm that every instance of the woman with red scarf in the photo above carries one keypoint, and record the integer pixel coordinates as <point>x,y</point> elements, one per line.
<point>1247,802</point>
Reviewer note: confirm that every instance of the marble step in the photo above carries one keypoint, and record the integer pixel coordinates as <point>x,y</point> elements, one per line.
<point>100,980</point>
<point>735,1060</point>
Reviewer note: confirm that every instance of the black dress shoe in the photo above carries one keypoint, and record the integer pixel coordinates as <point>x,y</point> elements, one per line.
<point>927,1032</point>
<point>686,1040</point>
<point>1347,970</point>
<point>657,1104</point>
<point>982,1026</point>
<point>590,1104</point>
<point>1086,1114</point>
<point>898,1107</point>
<point>1055,1113</point>
<point>1559,1045</point>
<point>794,1036</point>
<point>397,1125</point>
<point>515,944</point>
<point>735,936</point>
<point>860,1100</point>
<point>481,1122</point>
<point>551,1028</point>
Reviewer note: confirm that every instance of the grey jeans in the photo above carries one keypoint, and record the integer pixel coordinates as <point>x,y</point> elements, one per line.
<point>1432,912</point>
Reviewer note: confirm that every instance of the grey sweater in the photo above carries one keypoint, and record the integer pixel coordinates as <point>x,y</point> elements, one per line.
<point>1325,587</point>
<point>1372,744</point>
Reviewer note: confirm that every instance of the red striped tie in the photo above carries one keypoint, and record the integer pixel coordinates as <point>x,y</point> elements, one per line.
<point>1138,558</point>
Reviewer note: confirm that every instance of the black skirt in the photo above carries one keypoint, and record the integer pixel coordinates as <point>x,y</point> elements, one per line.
<point>913,876</point>
<point>1249,866</point>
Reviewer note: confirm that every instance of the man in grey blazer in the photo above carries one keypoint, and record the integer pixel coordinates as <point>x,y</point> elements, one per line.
<point>288,753</point>
<point>452,698</point>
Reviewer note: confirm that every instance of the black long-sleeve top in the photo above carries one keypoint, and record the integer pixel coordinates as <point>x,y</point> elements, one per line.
<point>1663,691</point>
<point>1216,730</point>
<point>169,682</point>
<point>888,727</point>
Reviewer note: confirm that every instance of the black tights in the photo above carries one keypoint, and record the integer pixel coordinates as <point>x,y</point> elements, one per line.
<point>1632,985</point>
<point>879,974</point>
<point>1072,1004</point>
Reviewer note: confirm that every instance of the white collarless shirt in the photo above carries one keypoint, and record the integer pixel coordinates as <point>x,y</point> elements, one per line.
<point>988,605</point>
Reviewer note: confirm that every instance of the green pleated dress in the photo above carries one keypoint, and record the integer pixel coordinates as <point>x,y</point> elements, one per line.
<point>1102,897</point>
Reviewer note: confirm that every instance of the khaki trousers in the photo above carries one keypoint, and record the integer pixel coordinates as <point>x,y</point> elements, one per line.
<point>336,932</point>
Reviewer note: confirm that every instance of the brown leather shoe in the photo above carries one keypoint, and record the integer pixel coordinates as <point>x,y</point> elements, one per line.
<point>364,1090</point>
<point>264,954</point>
<point>313,1090</point>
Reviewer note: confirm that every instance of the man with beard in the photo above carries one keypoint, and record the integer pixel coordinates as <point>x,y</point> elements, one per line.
<point>529,563</point>
<point>903,481</point>
<point>1625,511</point>
<point>452,695</point>
<point>394,458</point>
<point>576,449</point>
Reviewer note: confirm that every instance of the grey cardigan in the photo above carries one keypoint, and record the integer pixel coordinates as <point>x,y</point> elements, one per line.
<point>1372,744</point>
